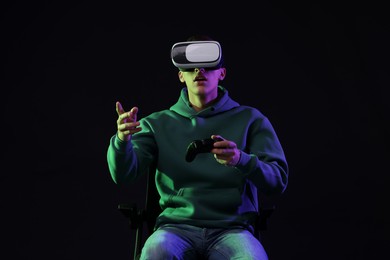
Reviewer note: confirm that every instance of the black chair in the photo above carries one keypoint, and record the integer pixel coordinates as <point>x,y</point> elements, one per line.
<point>143,217</point>
<point>146,217</point>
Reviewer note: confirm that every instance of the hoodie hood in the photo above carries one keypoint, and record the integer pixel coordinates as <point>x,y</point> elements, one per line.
<point>184,108</point>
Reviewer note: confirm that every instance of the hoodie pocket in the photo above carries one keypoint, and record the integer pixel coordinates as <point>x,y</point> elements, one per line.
<point>208,204</point>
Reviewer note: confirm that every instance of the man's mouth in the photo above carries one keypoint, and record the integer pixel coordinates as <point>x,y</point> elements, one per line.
<point>200,78</point>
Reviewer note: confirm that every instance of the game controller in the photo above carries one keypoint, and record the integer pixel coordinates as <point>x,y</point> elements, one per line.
<point>199,146</point>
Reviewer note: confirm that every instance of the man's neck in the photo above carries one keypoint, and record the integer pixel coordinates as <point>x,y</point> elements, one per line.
<point>200,103</point>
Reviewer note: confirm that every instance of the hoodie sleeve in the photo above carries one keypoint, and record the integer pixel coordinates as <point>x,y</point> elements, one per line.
<point>129,160</point>
<point>264,160</point>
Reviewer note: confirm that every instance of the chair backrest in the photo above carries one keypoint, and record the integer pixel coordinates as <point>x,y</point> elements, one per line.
<point>152,206</point>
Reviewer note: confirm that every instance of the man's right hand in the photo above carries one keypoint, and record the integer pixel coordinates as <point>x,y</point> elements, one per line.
<point>127,123</point>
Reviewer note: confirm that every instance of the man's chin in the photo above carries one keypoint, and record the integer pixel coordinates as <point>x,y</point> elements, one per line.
<point>201,91</point>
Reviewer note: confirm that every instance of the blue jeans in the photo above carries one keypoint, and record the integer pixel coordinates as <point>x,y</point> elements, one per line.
<point>180,241</point>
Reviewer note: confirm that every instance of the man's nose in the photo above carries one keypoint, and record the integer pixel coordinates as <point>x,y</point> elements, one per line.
<point>200,70</point>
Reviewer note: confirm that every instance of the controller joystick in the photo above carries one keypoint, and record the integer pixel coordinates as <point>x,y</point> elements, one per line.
<point>199,146</point>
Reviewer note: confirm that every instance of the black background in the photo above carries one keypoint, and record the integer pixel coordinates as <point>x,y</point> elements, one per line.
<point>319,71</point>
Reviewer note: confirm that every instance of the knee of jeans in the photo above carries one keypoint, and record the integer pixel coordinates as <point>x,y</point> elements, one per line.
<point>161,246</point>
<point>239,245</point>
<point>155,252</point>
<point>164,253</point>
<point>158,246</point>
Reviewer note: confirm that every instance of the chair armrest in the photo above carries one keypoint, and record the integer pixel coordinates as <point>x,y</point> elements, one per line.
<point>133,214</point>
<point>264,215</point>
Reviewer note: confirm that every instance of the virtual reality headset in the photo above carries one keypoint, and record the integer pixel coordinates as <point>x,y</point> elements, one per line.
<point>197,54</point>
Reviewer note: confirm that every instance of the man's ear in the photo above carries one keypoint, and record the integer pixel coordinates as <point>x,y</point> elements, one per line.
<point>222,73</point>
<point>180,74</point>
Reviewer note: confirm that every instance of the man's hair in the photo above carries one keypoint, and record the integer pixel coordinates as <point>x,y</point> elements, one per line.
<point>199,37</point>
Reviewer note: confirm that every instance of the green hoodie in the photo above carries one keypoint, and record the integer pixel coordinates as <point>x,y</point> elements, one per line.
<point>203,192</point>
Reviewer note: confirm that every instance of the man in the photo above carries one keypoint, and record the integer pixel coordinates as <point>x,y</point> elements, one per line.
<point>208,203</point>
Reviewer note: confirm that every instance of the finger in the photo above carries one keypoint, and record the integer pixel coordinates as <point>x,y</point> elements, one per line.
<point>129,130</point>
<point>220,159</point>
<point>223,152</point>
<point>225,145</point>
<point>133,113</point>
<point>119,108</point>
<point>217,137</point>
<point>131,125</point>
<point>225,160</point>
<point>123,117</point>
